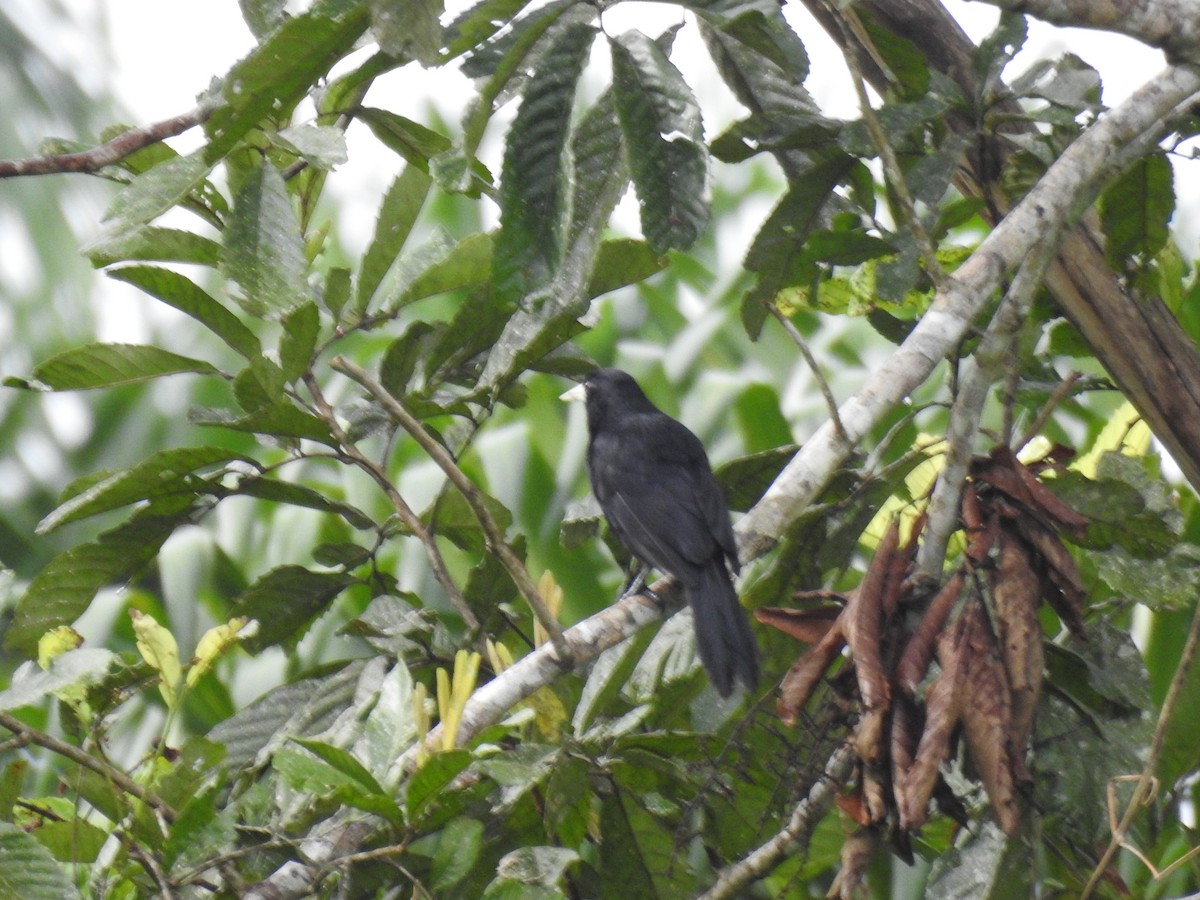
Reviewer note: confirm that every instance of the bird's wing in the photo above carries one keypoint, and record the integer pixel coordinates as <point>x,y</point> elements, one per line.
<point>659,496</point>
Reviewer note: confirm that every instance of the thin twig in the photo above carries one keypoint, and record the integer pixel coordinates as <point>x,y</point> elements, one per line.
<point>85,759</point>
<point>887,155</point>
<point>1143,790</point>
<point>826,392</point>
<point>109,153</point>
<point>410,519</point>
<point>1061,393</point>
<point>493,534</point>
<point>979,373</point>
<point>733,880</point>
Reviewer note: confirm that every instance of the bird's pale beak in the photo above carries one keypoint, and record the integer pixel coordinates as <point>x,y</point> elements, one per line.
<point>575,394</point>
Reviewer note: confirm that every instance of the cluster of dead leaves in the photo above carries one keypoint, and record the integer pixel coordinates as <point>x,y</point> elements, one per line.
<point>982,626</point>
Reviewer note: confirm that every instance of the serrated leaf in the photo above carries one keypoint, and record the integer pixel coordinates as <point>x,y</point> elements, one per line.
<point>301,327</point>
<point>278,73</point>
<point>286,600</point>
<point>149,195</point>
<point>160,474</point>
<point>152,242</point>
<point>258,385</point>
<point>620,262</point>
<point>281,419</point>
<point>455,519</point>
<point>433,777</point>
<point>263,248</point>
<point>466,264</point>
<point>305,707</point>
<point>408,30</point>
<point>532,197</point>
<point>322,146</point>
<point>660,120</point>
<point>28,870</point>
<point>183,294</point>
<point>1136,211</point>
<point>299,495</point>
<point>397,214</point>
<point>61,592</point>
<point>110,365</point>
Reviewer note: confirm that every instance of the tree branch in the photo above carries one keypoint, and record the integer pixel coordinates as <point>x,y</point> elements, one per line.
<point>733,880</point>
<point>88,761</point>
<point>1072,182</point>
<point>493,534</point>
<point>124,144</point>
<point>1170,25</point>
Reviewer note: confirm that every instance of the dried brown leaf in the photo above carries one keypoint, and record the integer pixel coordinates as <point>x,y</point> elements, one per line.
<point>805,625</point>
<point>987,719</point>
<point>1062,587</point>
<point>1016,595</point>
<point>854,805</point>
<point>914,662</point>
<point>851,880</point>
<point>943,704</point>
<point>802,678</point>
<point>1003,471</point>
<point>980,527</point>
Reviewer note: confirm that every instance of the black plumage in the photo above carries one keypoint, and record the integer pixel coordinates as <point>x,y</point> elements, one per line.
<point>653,481</point>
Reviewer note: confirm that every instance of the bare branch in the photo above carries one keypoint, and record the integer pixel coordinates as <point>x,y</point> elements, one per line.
<point>110,153</point>
<point>88,761</point>
<point>1066,188</point>
<point>1170,25</point>
<point>733,880</point>
<point>493,534</point>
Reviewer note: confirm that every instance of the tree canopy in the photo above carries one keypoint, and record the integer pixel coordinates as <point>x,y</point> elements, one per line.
<point>303,590</point>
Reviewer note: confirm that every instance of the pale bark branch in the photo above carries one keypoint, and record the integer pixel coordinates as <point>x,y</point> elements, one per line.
<point>1068,186</point>
<point>1170,25</point>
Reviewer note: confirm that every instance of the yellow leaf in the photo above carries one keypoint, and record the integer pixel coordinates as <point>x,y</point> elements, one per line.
<point>160,650</point>
<point>215,641</point>
<point>55,642</point>
<point>552,595</point>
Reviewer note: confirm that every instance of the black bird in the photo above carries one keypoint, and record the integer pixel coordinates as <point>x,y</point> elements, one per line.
<point>657,490</point>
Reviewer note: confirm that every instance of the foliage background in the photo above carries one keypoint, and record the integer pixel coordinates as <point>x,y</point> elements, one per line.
<point>657,788</point>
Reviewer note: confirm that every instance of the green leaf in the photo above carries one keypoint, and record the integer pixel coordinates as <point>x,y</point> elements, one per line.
<point>263,248</point>
<point>621,262</point>
<point>1165,641</point>
<point>405,354</point>
<point>397,214</point>
<point>530,869</point>
<point>431,780</point>
<point>277,74</point>
<point>258,385</point>
<point>307,706</point>
<point>312,774</point>
<point>410,30</point>
<point>457,850</point>
<point>532,197</point>
<point>454,519</point>
<point>465,264</point>
<point>342,760</point>
<point>152,242</point>
<point>28,870</point>
<point>149,195</point>
<point>301,327</point>
<point>322,146</point>
<point>61,592</point>
<point>286,600</point>
<point>282,419</point>
<point>110,365</point>
<point>160,474</point>
<point>1136,211</point>
<point>277,491</point>
<point>73,669</point>
<point>665,138</point>
<point>183,294</point>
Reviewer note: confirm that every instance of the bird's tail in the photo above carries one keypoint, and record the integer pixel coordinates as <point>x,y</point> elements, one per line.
<point>723,637</point>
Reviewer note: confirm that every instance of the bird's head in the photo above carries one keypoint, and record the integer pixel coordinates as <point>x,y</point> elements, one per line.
<point>605,391</point>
